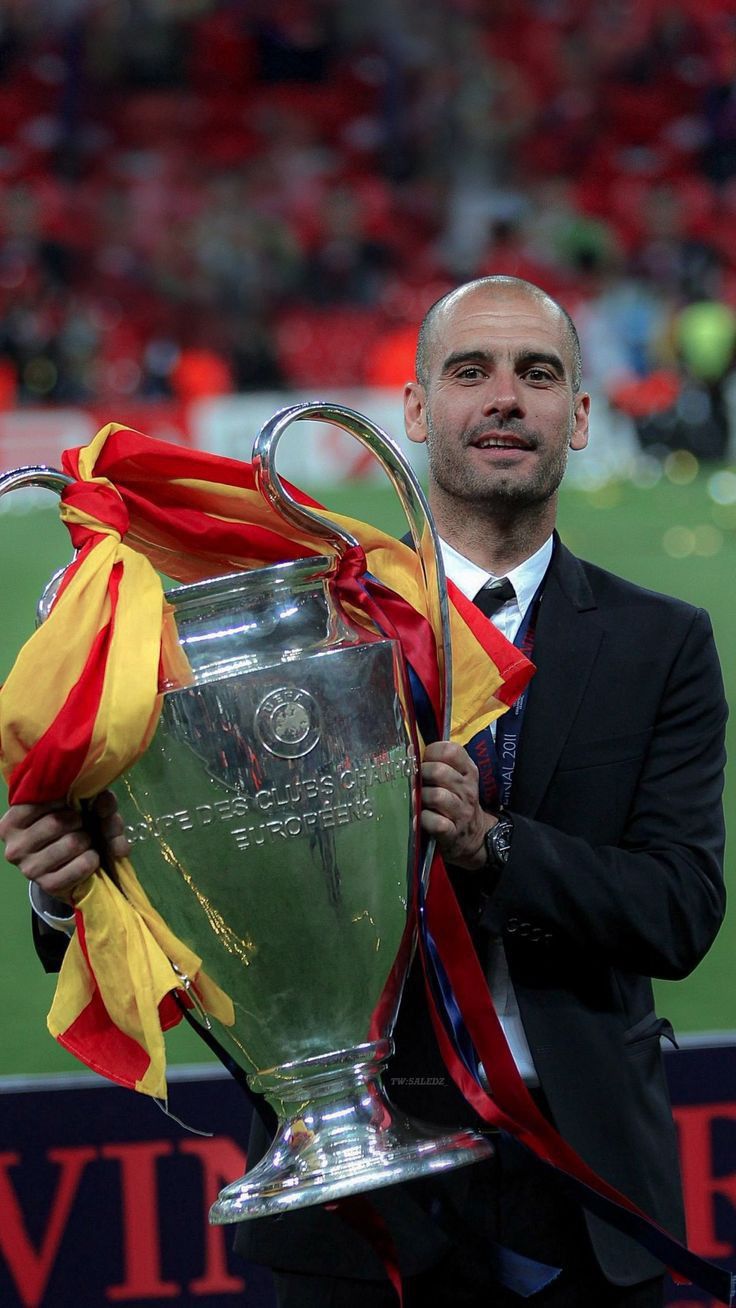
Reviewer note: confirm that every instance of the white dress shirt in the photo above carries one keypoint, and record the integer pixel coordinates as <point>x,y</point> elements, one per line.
<point>525,579</point>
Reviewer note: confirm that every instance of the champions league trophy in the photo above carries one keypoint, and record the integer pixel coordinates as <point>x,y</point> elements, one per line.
<point>274,823</point>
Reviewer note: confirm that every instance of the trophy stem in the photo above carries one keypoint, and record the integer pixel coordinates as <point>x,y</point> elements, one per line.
<point>338,1134</point>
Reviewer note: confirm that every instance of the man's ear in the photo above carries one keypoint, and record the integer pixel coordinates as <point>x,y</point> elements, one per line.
<point>415,412</point>
<point>579,436</point>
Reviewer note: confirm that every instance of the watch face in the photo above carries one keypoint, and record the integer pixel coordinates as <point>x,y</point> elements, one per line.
<point>500,841</point>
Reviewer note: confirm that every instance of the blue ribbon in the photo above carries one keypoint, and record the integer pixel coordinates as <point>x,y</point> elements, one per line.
<point>444,996</point>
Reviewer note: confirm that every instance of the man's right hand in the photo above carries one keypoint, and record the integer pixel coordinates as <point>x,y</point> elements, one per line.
<point>52,847</point>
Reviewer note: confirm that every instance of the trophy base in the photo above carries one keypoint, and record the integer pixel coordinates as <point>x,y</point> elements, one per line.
<point>339,1135</point>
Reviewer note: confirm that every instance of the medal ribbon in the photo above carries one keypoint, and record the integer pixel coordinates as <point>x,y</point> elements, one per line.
<point>495,756</point>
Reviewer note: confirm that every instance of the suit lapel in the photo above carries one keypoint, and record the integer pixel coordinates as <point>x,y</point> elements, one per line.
<point>566,644</point>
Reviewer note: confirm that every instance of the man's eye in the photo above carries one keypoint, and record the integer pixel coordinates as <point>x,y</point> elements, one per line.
<point>471,372</point>
<point>539,374</point>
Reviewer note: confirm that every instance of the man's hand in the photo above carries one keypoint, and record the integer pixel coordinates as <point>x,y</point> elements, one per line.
<point>451,810</point>
<point>51,845</point>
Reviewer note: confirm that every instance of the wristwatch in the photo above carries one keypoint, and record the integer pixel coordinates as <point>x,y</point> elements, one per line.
<point>498,843</point>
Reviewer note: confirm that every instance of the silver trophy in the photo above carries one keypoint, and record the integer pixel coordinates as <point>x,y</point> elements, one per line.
<point>274,822</point>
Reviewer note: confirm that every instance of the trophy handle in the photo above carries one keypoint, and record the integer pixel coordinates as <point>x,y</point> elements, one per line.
<point>406,485</point>
<point>47,479</point>
<point>413,500</point>
<point>34,475</point>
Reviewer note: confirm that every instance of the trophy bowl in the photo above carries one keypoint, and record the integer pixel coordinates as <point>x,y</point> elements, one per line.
<point>274,822</point>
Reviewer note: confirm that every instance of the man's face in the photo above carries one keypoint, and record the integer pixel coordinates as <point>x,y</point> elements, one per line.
<point>498,412</point>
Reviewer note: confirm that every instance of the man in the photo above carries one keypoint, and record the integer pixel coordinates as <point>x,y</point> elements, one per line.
<point>592,864</point>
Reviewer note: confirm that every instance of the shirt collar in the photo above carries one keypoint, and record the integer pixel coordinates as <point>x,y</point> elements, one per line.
<point>525,579</point>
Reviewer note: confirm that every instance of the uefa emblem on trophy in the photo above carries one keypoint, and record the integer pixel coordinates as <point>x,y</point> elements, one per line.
<point>274,819</point>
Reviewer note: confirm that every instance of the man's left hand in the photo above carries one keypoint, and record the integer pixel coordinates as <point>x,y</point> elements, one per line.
<point>451,810</point>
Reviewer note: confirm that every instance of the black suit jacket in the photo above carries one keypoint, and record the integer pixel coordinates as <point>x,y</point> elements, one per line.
<point>615,876</point>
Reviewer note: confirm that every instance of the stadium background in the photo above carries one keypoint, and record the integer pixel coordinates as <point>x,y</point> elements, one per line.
<point>211,209</point>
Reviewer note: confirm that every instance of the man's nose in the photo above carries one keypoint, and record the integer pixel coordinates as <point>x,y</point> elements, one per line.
<point>502,396</point>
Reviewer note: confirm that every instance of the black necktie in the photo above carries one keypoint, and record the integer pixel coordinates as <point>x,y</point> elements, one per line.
<point>494,595</point>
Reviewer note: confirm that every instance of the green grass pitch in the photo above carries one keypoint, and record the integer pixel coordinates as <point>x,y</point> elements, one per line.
<point>675,537</point>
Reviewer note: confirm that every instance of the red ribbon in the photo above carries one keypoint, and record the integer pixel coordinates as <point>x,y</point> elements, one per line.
<point>357,1212</point>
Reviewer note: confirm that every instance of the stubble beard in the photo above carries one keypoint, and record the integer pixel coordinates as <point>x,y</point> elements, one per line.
<point>495,494</point>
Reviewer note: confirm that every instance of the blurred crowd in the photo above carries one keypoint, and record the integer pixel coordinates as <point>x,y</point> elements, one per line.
<point>199,196</point>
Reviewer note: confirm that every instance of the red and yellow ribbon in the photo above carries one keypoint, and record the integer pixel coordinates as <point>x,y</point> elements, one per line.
<point>83,699</point>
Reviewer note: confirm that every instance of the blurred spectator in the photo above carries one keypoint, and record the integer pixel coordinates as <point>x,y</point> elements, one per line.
<point>510,251</point>
<point>686,405</point>
<point>197,193</point>
<point>200,375</point>
<point>390,360</point>
<point>346,265</point>
<point>8,385</point>
<point>705,336</point>
<point>705,342</point>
